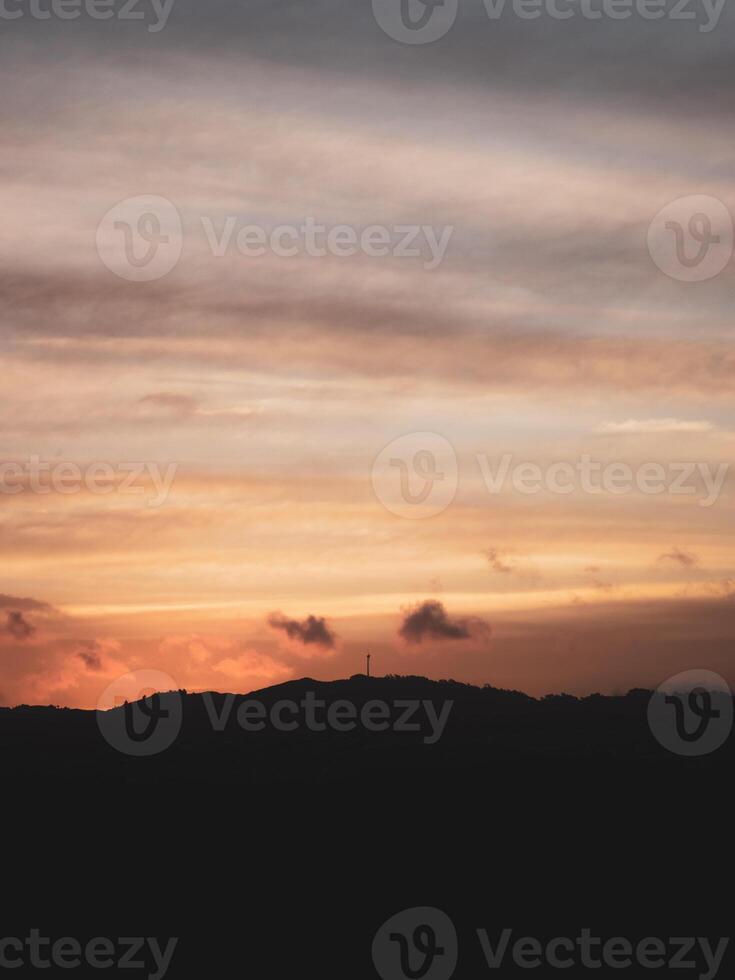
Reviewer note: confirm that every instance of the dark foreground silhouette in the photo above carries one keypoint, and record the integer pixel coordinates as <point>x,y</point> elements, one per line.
<point>361,730</point>
<point>283,853</point>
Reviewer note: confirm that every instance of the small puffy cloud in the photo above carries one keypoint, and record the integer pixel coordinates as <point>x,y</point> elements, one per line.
<point>312,631</point>
<point>430,620</point>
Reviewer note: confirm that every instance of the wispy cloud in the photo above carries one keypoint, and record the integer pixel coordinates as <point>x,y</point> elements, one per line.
<point>683,558</point>
<point>7,601</point>
<point>643,426</point>
<point>497,563</point>
<point>168,401</point>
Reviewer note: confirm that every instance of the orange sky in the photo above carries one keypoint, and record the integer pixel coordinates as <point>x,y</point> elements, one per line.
<point>271,385</point>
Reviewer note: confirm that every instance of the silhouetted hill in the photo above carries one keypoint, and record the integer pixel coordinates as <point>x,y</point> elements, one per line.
<point>319,732</point>
<point>546,815</point>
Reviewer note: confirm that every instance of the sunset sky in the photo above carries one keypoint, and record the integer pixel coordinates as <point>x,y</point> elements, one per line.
<point>272,384</point>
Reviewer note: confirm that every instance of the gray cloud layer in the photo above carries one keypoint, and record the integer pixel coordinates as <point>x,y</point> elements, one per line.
<point>665,61</point>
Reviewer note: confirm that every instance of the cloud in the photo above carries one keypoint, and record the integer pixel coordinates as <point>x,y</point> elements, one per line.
<point>641,426</point>
<point>18,626</point>
<point>186,407</point>
<point>100,656</point>
<point>310,631</point>
<point>194,648</point>
<point>683,558</point>
<point>493,557</point>
<point>91,660</point>
<point>234,412</point>
<point>27,604</point>
<point>633,62</point>
<point>595,581</point>
<point>499,561</point>
<point>252,667</point>
<point>170,402</point>
<point>724,589</point>
<point>429,620</point>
